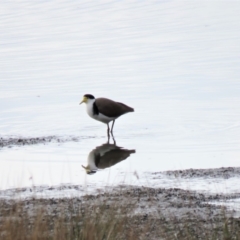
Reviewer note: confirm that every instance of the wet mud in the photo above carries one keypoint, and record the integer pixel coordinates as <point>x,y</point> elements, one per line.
<point>24,141</point>
<point>174,201</point>
<point>224,172</point>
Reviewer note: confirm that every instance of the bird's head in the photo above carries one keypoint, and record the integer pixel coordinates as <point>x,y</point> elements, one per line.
<point>87,98</point>
<point>88,170</point>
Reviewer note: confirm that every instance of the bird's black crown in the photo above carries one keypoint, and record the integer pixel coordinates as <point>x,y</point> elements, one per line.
<point>89,96</point>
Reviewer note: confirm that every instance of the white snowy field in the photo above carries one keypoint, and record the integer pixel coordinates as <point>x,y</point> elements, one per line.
<point>176,62</point>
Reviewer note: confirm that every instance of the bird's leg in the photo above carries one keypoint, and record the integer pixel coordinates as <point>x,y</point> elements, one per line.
<point>113,138</point>
<point>108,139</point>
<point>108,130</point>
<point>108,135</point>
<point>112,126</point>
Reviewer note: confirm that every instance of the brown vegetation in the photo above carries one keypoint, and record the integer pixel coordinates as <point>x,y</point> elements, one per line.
<point>124,214</point>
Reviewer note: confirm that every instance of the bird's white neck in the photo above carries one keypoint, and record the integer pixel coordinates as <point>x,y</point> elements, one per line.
<point>89,107</point>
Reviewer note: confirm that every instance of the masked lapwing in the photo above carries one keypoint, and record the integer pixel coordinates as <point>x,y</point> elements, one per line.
<point>105,110</point>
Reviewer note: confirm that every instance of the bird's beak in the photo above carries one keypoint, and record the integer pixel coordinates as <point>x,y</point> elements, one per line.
<point>83,100</point>
<point>88,170</point>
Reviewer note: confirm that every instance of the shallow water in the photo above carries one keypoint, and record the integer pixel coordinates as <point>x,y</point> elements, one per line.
<point>176,63</point>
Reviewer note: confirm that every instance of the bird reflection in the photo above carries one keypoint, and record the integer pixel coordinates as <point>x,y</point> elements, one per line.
<point>105,156</point>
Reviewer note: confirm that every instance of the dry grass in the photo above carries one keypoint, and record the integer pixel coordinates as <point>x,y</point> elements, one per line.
<point>94,218</point>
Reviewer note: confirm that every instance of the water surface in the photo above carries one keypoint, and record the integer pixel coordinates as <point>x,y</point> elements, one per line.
<point>177,63</point>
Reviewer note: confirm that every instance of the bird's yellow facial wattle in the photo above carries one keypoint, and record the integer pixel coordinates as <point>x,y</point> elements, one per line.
<point>84,100</point>
<point>86,168</point>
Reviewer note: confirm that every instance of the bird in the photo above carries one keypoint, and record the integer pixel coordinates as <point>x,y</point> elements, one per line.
<point>106,156</point>
<point>105,110</point>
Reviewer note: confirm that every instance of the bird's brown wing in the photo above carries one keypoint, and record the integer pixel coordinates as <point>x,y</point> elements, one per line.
<point>113,157</point>
<point>111,108</point>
